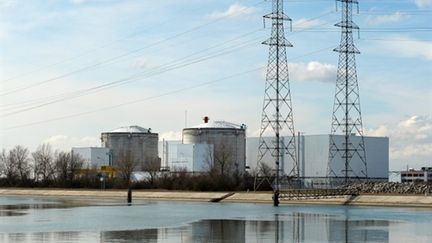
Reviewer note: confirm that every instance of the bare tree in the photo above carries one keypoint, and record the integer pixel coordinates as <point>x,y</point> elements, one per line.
<point>126,165</point>
<point>6,167</point>
<point>75,165</point>
<point>19,157</point>
<point>44,166</point>
<point>61,165</point>
<point>223,159</point>
<point>265,170</point>
<point>152,166</point>
<point>67,166</point>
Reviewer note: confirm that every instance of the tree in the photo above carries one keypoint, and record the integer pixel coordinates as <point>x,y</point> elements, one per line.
<point>44,166</point>
<point>68,166</point>
<point>152,166</point>
<point>75,165</point>
<point>19,157</point>
<point>61,165</point>
<point>265,170</point>
<point>7,168</point>
<point>223,161</point>
<point>126,166</point>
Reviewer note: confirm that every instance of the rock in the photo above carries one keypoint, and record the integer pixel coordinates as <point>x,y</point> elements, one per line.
<point>389,187</point>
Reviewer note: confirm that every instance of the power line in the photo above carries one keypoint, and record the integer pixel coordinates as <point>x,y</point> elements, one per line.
<point>116,83</point>
<point>176,64</point>
<point>156,96</point>
<point>391,39</point>
<point>134,101</point>
<point>144,72</point>
<point>134,78</point>
<point>106,61</point>
<point>107,44</point>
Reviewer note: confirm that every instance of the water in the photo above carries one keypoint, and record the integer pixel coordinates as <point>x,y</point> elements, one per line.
<point>65,220</point>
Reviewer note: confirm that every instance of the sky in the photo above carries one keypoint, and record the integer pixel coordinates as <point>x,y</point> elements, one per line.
<point>71,69</point>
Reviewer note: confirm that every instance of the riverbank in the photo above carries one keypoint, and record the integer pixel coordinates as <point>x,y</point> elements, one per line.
<point>239,197</point>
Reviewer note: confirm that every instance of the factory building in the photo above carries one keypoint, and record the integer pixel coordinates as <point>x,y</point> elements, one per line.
<point>412,175</point>
<point>94,157</point>
<point>132,143</point>
<point>186,157</point>
<point>313,153</point>
<point>228,140</point>
<point>218,145</point>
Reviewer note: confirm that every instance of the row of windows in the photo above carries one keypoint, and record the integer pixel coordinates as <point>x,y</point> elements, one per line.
<point>413,175</point>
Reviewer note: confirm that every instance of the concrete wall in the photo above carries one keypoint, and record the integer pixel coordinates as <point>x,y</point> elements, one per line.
<point>229,144</point>
<point>93,156</point>
<point>314,151</point>
<point>142,147</point>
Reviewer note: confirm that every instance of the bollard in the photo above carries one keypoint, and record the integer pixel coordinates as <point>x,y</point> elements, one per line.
<point>276,198</point>
<point>129,196</point>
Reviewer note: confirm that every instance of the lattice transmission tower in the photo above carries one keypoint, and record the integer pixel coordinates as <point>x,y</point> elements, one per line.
<point>347,118</point>
<point>277,116</point>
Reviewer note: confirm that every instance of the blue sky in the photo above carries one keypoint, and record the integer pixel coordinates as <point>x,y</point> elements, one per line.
<point>51,51</point>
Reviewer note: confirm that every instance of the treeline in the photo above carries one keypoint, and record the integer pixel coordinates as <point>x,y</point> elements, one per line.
<point>43,167</point>
<point>59,169</point>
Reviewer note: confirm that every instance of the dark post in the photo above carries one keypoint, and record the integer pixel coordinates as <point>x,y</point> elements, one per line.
<point>129,196</point>
<point>276,198</point>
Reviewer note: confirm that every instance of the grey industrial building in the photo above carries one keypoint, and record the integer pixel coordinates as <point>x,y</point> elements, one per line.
<point>94,157</point>
<point>228,140</point>
<point>133,143</point>
<point>313,154</point>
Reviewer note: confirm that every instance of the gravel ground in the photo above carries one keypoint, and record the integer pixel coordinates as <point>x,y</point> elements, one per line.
<point>390,187</point>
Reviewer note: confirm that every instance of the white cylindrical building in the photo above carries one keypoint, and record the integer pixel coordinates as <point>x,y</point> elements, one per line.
<point>228,140</point>
<point>132,143</point>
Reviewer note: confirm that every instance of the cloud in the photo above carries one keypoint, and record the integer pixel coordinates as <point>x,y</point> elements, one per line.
<point>423,3</point>
<point>414,128</point>
<point>64,142</point>
<point>313,71</point>
<point>409,47</point>
<point>234,10</point>
<point>142,63</point>
<point>411,151</point>
<point>383,19</point>
<point>78,1</point>
<point>306,23</point>
<point>4,4</point>
<point>410,140</point>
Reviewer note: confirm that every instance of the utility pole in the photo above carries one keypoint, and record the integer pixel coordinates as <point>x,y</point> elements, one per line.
<point>277,115</point>
<point>347,119</point>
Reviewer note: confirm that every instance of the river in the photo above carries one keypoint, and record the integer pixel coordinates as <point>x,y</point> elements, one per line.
<point>39,219</point>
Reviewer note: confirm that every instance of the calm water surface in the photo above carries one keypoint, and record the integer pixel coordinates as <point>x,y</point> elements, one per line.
<point>65,220</point>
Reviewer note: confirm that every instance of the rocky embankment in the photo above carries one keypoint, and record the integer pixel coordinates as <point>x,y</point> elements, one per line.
<point>390,188</point>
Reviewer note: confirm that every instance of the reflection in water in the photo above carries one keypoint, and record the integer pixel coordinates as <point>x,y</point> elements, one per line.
<point>8,213</point>
<point>49,221</point>
<point>150,235</point>
<point>296,227</point>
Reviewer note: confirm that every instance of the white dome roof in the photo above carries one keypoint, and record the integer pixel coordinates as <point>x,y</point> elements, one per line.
<point>220,124</point>
<point>131,129</point>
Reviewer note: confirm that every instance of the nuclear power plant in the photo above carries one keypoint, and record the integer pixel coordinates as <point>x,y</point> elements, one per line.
<point>343,155</point>
<point>134,143</point>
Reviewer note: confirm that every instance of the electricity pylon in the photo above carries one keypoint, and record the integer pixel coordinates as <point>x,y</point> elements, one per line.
<point>347,118</point>
<point>277,115</point>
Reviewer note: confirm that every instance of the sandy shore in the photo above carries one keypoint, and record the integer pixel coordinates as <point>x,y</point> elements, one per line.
<point>241,197</point>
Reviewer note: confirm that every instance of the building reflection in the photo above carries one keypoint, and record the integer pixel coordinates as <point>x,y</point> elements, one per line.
<point>295,227</point>
<point>291,227</point>
<point>150,235</point>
